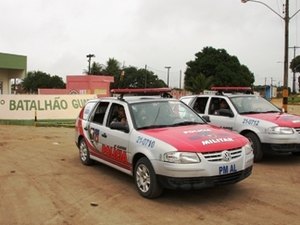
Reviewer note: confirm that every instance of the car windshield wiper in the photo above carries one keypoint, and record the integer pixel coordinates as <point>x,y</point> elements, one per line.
<point>272,111</point>
<point>152,126</point>
<point>250,112</point>
<point>186,123</point>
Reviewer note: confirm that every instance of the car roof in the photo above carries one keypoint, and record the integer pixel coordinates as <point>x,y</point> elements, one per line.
<point>226,92</point>
<point>229,95</point>
<point>133,99</point>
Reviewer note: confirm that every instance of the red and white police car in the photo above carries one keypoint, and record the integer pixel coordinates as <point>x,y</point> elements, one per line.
<point>162,143</point>
<point>235,108</point>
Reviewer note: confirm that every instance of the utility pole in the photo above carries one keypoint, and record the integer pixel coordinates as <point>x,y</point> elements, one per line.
<point>294,73</point>
<point>168,74</point>
<point>271,87</point>
<point>285,91</point>
<point>146,76</point>
<point>89,56</point>
<point>180,74</point>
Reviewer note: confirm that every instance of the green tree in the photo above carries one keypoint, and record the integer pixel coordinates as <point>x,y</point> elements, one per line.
<point>295,64</point>
<point>37,79</point>
<point>130,77</point>
<point>96,69</point>
<point>56,82</point>
<point>199,83</point>
<point>139,78</point>
<point>113,68</point>
<point>224,69</point>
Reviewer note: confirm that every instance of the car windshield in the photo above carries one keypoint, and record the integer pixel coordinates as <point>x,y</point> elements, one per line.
<point>163,114</point>
<point>253,104</point>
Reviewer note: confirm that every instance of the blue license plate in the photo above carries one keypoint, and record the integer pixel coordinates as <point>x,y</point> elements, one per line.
<point>226,169</point>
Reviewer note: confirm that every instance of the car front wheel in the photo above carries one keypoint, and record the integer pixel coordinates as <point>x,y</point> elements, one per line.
<point>256,145</point>
<point>146,180</point>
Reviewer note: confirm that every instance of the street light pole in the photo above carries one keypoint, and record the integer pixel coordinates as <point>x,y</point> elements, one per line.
<point>286,19</point>
<point>168,73</point>
<point>89,56</point>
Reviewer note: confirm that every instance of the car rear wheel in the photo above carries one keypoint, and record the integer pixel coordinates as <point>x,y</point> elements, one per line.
<point>146,180</point>
<point>84,153</point>
<point>256,145</point>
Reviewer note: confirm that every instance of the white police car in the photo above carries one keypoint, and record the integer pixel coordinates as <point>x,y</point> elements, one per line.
<point>266,126</point>
<point>162,143</point>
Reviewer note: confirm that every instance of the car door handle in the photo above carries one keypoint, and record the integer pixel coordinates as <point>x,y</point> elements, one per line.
<point>104,135</point>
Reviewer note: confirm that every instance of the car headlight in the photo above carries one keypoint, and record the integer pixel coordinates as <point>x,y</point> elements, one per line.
<point>181,157</point>
<point>280,130</point>
<point>248,149</point>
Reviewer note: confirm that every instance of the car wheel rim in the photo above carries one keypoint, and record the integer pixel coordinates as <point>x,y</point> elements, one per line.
<point>143,178</point>
<point>83,151</point>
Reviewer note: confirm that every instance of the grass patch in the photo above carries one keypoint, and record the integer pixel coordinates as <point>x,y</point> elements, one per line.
<point>40,123</point>
<point>294,100</point>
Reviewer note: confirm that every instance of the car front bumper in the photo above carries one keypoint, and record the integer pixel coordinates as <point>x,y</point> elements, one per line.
<point>190,183</point>
<point>282,148</point>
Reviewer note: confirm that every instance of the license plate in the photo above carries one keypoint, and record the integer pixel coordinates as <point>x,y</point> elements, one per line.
<point>226,169</point>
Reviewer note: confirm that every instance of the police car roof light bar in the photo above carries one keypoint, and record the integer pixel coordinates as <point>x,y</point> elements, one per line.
<point>140,90</point>
<point>163,92</point>
<point>245,90</point>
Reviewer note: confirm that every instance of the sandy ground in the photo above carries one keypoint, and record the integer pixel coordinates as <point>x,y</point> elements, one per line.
<point>43,182</point>
<point>292,108</point>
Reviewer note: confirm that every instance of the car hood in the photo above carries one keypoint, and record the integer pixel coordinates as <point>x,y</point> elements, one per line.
<point>281,119</point>
<point>198,138</point>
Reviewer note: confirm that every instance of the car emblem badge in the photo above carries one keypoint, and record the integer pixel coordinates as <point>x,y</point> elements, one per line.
<point>226,156</point>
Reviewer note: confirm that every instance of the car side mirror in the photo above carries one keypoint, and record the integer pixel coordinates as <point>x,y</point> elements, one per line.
<point>206,118</point>
<point>119,126</point>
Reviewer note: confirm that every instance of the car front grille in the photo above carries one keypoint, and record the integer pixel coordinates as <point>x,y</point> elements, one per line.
<point>188,183</point>
<point>217,156</point>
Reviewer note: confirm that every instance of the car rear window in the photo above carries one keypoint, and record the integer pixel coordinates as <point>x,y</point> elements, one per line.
<point>88,109</point>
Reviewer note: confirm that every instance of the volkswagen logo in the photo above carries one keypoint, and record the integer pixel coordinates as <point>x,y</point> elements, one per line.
<point>226,156</point>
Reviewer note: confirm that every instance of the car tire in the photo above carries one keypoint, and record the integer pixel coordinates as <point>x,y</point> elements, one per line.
<point>84,153</point>
<point>256,145</point>
<point>146,179</point>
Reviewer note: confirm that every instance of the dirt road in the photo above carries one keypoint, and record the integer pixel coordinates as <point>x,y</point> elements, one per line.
<point>43,182</point>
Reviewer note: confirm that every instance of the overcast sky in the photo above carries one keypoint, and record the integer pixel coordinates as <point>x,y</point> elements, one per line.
<point>57,35</point>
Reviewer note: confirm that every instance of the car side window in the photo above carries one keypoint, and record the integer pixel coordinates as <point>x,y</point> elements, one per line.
<point>214,106</point>
<point>117,114</point>
<point>200,104</point>
<point>219,106</point>
<point>88,110</point>
<point>100,112</point>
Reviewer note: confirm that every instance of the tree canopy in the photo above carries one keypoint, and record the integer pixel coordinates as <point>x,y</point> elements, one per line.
<point>219,68</point>
<point>37,79</point>
<point>127,77</point>
<point>295,64</point>
<point>139,78</point>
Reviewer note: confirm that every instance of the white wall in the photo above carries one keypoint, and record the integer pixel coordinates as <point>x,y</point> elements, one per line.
<point>44,107</point>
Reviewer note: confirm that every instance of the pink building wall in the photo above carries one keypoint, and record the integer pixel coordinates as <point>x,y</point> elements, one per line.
<point>84,84</point>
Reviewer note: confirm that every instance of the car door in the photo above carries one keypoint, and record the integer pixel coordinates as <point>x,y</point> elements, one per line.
<point>218,116</point>
<point>96,126</point>
<point>114,142</point>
